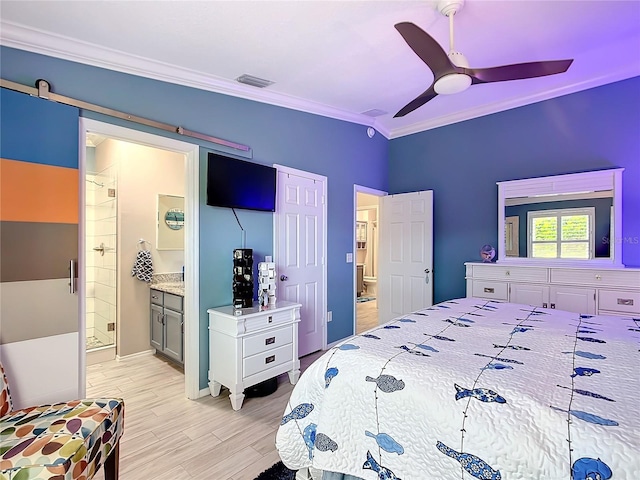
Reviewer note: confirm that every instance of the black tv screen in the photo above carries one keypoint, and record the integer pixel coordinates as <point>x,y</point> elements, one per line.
<point>235,183</point>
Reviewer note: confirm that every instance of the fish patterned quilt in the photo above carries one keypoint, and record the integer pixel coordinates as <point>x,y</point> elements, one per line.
<point>470,389</point>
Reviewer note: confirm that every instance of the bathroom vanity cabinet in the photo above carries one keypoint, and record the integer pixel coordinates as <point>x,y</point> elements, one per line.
<point>167,324</point>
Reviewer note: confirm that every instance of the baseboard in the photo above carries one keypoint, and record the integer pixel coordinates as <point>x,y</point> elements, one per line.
<point>124,358</point>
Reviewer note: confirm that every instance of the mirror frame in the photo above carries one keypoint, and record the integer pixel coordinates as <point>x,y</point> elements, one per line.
<point>598,180</point>
<point>168,238</point>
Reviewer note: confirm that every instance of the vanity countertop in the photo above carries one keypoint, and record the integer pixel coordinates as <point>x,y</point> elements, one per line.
<point>177,288</point>
<point>168,282</point>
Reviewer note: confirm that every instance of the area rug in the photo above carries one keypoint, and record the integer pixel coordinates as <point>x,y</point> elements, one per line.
<point>277,472</point>
<point>365,299</point>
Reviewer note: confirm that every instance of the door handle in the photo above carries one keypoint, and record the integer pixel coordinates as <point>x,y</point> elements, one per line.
<point>283,278</point>
<point>72,277</point>
<point>426,275</point>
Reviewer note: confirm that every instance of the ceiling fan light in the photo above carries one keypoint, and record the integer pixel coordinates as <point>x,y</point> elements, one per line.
<point>452,83</point>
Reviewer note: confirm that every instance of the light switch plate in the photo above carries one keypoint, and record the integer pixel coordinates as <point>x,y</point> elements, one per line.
<point>349,257</point>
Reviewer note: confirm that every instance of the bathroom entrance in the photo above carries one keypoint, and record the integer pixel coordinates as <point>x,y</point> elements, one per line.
<point>126,186</point>
<point>366,257</point>
<point>140,169</point>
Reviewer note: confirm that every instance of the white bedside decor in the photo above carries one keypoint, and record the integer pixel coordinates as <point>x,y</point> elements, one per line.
<point>258,344</point>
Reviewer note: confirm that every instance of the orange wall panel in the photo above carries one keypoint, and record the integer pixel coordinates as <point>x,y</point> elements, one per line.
<point>32,192</point>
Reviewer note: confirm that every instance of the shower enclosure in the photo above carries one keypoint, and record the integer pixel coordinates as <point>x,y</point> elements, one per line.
<point>101,255</point>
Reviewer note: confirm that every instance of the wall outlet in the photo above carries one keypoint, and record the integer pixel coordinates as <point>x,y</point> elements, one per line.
<point>329,316</point>
<point>349,257</point>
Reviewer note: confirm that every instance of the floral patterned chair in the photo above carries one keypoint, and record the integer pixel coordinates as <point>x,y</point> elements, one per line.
<point>65,441</point>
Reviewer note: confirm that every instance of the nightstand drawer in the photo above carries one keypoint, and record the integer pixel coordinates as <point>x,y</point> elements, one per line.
<point>489,289</point>
<point>619,301</point>
<point>266,320</point>
<point>266,341</point>
<point>265,360</point>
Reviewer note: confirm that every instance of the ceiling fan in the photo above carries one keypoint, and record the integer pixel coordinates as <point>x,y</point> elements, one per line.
<point>452,73</point>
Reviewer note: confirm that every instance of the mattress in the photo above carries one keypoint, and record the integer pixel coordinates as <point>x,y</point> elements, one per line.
<point>473,389</point>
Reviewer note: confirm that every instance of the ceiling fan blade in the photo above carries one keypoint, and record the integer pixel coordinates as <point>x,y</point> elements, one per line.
<point>518,71</point>
<point>429,94</point>
<point>424,45</point>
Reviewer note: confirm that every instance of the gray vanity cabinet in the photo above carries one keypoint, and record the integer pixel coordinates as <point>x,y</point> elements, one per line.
<point>167,321</point>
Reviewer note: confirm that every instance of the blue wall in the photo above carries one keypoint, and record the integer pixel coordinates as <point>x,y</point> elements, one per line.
<point>595,129</point>
<point>461,163</point>
<point>339,150</point>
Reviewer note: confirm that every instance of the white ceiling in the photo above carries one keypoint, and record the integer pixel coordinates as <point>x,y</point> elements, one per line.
<point>338,58</point>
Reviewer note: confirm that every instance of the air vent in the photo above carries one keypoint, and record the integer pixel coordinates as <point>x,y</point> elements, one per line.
<point>374,112</point>
<point>254,81</point>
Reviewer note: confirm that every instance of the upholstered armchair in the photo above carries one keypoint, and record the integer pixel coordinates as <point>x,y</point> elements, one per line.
<point>64,441</point>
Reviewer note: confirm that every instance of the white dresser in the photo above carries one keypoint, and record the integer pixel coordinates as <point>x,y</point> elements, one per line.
<point>607,291</point>
<point>252,347</point>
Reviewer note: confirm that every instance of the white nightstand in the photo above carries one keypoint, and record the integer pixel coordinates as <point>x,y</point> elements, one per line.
<point>252,347</point>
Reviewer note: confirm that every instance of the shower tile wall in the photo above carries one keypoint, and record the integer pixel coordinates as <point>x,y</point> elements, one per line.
<point>101,269</point>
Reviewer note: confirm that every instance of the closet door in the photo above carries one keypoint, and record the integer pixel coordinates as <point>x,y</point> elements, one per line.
<point>39,211</point>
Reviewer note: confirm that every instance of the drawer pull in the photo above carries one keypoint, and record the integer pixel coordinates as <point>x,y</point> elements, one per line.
<point>270,340</point>
<point>270,319</point>
<point>507,273</point>
<point>270,359</point>
<point>625,301</point>
<point>489,290</point>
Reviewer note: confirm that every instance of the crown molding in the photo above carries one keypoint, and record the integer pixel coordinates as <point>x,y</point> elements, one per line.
<point>45,43</point>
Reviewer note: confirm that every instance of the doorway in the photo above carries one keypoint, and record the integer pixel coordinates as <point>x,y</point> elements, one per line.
<point>366,236</point>
<point>189,154</point>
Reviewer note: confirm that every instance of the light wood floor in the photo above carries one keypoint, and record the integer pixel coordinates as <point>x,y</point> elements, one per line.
<point>367,315</point>
<point>170,437</point>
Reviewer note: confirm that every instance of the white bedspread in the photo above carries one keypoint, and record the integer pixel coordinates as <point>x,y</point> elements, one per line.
<point>473,389</point>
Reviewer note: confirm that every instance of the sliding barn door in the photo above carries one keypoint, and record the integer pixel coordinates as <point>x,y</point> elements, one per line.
<point>39,211</point>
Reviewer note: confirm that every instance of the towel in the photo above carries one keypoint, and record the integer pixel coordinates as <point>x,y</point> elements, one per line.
<point>143,266</point>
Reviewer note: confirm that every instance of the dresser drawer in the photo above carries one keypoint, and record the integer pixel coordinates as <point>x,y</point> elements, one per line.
<point>265,360</point>
<point>576,276</point>
<point>266,320</point>
<point>489,289</point>
<point>260,342</point>
<point>619,301</point>
<point>510,273</point>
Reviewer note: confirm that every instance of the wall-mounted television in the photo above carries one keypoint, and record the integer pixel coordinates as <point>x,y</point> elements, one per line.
<point>236,183</point>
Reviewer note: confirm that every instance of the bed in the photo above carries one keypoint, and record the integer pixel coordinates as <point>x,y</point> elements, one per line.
<point>469,389</point>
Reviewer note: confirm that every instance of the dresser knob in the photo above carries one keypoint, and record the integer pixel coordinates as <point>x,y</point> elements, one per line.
<point>598,277</point>
<point>507,273</point>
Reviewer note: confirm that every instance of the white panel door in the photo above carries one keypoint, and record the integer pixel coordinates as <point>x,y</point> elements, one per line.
<point>406,254</point>
<point>300,244</point>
